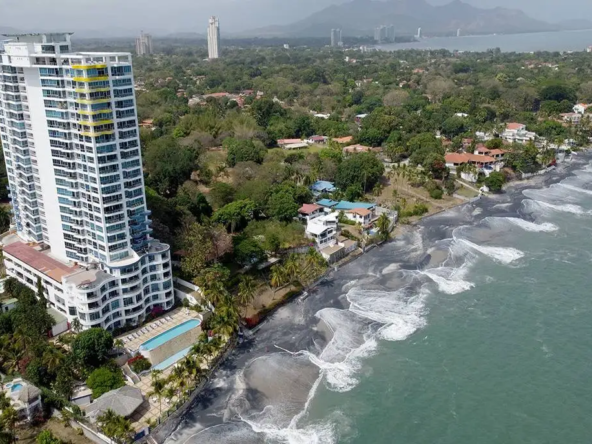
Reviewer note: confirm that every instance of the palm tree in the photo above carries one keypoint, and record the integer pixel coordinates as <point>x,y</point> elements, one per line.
<point>246,290</point>
<point>192,366</point>
<point>292,268</point>
<point>278,276</point>
<point>8,419</point>
<point>76,325</point>
<point>158,387</point>
<point>384,226</point>
<point>52,359</point>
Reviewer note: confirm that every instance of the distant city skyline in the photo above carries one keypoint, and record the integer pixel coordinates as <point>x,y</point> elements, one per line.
<point>181,15</point>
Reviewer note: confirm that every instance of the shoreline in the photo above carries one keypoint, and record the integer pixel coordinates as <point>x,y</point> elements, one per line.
<point>248,346</point>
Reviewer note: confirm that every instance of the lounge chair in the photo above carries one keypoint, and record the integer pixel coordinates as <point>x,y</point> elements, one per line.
<point>169,318</point>
<point>129,337</point>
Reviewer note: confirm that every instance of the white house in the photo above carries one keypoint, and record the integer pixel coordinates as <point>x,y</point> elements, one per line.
<point>309,212</point>
<point>361,216</point>
<point>516,132</point>
<point>24,397</point>
<point>323,230</point>
<point>581,108</point>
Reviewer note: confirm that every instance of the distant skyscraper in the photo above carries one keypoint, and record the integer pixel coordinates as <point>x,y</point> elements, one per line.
<point>458,32</point>
<point>336,37</point>
<point>380,34</point>
<point>213,38</point>
<point>390,33</point>
<point>144,44</point>
<point>418,33</point>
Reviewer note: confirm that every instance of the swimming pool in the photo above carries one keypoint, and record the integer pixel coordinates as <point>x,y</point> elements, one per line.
<point>162,338</point>
<point>16,387</point>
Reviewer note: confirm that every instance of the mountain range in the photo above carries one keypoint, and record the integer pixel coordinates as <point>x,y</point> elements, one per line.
<point>360,17</point>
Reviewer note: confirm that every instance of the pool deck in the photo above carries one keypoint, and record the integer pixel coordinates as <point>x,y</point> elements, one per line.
<point>149,409</point>
<point>133,339</point>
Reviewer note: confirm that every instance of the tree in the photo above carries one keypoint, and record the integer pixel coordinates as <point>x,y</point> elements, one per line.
<point>116,427</point>
<point>8,420</point>
<point>435,164</point>
<point>91,347</point>
<point>76,326</point>
<point>243,151</point>
<point>453,126</point>
<point>221,194</point>
<point>246,290</point>
<point>194,201</point>
<point>103,380</point>
<point>235,215</point>
<point>197,247</point>
<point>46,437</point>
<point>281,206</point>
<point>158,385</point>
<point>168,165</point>
<point>247,251</point>
<point>362,169</point>
<point>4,217</point>
<point>397,97</point>
<point>495,181</point>
<point>384,226</point>
<point>41,293</point>
<point>558,92</point>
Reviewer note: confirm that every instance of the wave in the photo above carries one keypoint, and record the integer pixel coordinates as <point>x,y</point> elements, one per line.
<point>503,255</point>
<point>401,312</point>
<point>534,205</point>
<point>545,227</point>
<point>576,189</point>
<point>453,284</point>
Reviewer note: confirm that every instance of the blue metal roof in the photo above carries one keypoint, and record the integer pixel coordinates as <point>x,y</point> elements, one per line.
<point>323,185</point>
<point>327,203</point>
<point>345,205</point>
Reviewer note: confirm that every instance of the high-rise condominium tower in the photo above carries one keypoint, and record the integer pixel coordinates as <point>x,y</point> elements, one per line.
<point>213,38</point>
<point>69,132</point>
<point>144,44</point>
<point>336,39</point>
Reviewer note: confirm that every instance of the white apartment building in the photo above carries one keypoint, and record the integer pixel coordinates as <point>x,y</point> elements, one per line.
<point>213,38</point>
<point>69,132</point>
<point>144,44</point>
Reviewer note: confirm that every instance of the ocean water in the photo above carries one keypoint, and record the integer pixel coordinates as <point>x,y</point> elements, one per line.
<point>474,327</point>
<point>529,42</point>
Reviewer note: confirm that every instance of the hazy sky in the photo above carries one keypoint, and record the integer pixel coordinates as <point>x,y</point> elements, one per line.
<point>127,17</point>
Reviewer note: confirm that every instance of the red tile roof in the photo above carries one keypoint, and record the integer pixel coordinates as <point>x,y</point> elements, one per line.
<point>288,141</point>
<point>39,261</point>
<point>515,126</point>
<point>457,158</point>
<point>497,152</point>
<point>346,139</point>
<point>309,208</point>
<point>356,148</point>
<point>361,211</point>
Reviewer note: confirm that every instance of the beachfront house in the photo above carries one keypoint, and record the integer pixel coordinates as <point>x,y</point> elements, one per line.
<point>307,212</point>
<point>24,397</point>
<point>483,164</point>
<point>360,216</point>
<point>516,133</point>
<point>323,230</point>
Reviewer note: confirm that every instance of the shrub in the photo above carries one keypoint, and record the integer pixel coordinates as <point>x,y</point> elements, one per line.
<point>436,194</point>
<point>103,380</point>
<point>139,364</point>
